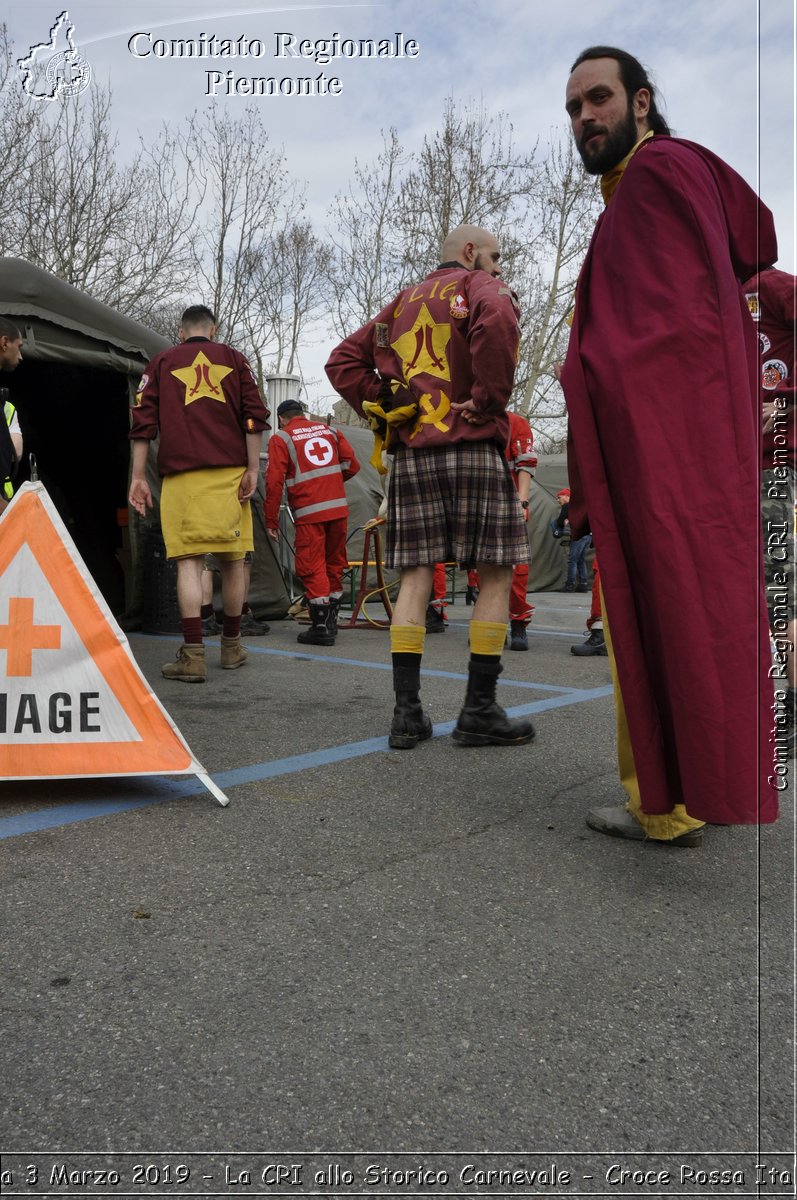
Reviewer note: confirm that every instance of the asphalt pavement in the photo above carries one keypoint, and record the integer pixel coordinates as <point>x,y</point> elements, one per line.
<point>388,959</point>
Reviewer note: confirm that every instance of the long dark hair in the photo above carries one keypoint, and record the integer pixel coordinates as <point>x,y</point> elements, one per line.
<point>634,77</point>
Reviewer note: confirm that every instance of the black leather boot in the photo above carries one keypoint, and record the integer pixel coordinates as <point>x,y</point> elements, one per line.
<point>334,609</point>
<point>435,621</point>
<point>410,723</point>
<point>595,644</point>
<point>320,633</point>
<point>482,721</point>
<point>518,640</point>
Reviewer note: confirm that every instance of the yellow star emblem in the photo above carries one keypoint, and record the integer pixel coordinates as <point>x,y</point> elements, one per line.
<point>202,378</point>
<point>422,349</point>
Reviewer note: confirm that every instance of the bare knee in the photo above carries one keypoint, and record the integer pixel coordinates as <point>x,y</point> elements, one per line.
<point>413,597</point>
<point>495,584</point>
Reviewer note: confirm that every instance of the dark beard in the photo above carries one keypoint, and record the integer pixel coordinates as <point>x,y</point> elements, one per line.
<point>615,147</point>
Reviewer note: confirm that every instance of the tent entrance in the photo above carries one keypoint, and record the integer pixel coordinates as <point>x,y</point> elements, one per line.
<point>75,420</point>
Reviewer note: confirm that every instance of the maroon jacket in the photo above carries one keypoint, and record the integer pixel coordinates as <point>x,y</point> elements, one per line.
<point>450,338</point>
<point>771,300</point>
<point>201,397</point>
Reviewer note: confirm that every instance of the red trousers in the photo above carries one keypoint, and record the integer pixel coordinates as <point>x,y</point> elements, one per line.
<point>519,607</point>
<point>321,557</point>
<point>440,587</point>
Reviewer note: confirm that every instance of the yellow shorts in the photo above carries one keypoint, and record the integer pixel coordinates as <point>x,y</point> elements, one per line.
<point>201,514</point>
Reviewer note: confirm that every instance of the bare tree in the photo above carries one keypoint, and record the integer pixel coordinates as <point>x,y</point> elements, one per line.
<point>560,217</point>
<point>156,242</point>
<point>366,268</point>
<point>248,196</point>
<point>77,200</point>
<point>291,283</point>
<point>118,232</point>
<point>468,171</point>
<point>387,229</point>
<point>27,118</point>
<point>206,210</point>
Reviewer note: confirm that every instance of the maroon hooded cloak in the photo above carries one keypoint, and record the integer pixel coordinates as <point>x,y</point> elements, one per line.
<point>661,383</point>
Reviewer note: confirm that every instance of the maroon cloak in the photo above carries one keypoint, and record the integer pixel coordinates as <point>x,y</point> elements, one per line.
<point>661,383</point>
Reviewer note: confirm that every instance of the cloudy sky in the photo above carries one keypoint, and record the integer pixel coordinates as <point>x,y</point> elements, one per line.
<point>725,69</point>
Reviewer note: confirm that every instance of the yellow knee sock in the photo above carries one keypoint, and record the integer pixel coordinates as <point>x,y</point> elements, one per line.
<point>487,637</point>
<point>407,639</point>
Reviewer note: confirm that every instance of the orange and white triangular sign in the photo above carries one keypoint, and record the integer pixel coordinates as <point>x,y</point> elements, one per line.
<point>73,701</point>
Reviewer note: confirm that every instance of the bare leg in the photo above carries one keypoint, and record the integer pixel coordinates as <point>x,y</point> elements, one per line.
<point>189,585</point>
<point>233,586</point>
<point>207,586</point>
<point>495,584</point>
<point>413,596</point>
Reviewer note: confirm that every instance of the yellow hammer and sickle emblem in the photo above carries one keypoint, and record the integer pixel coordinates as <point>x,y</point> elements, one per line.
<point>432,415</point>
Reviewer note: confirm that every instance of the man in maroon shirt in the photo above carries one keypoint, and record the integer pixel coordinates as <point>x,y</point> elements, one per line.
<point>664,416</point>
<point>201,399</point>
<point>434,371</point>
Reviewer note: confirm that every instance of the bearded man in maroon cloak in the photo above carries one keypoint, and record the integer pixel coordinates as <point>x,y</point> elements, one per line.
<point>664,455</point>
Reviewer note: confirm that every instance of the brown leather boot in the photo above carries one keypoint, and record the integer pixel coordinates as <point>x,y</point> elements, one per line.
<point>189,665</point>
<point>233,654</point>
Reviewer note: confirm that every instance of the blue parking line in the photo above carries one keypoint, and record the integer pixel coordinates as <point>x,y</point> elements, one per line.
<point>322,758</point>
<point>386,666</point>
<point>163,788</point>
<point>160,788</point>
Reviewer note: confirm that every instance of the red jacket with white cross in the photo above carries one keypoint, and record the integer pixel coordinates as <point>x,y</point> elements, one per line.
<point>313,461</point>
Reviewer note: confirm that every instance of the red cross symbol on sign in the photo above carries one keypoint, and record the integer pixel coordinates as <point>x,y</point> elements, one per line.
<point>320,451</point>
<point>20,637</point>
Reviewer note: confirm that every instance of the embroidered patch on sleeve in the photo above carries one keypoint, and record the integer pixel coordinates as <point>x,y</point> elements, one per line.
<point>458,307</point>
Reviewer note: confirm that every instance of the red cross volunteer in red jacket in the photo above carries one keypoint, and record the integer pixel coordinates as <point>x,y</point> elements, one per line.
<point>313,461</point>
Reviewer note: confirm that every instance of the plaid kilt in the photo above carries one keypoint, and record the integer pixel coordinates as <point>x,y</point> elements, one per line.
<point>454,503</point>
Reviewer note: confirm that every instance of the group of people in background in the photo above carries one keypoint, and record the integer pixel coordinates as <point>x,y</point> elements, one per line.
<point>663,382</point>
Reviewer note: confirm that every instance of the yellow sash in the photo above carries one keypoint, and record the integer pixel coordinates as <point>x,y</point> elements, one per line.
<point>383,423</point>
